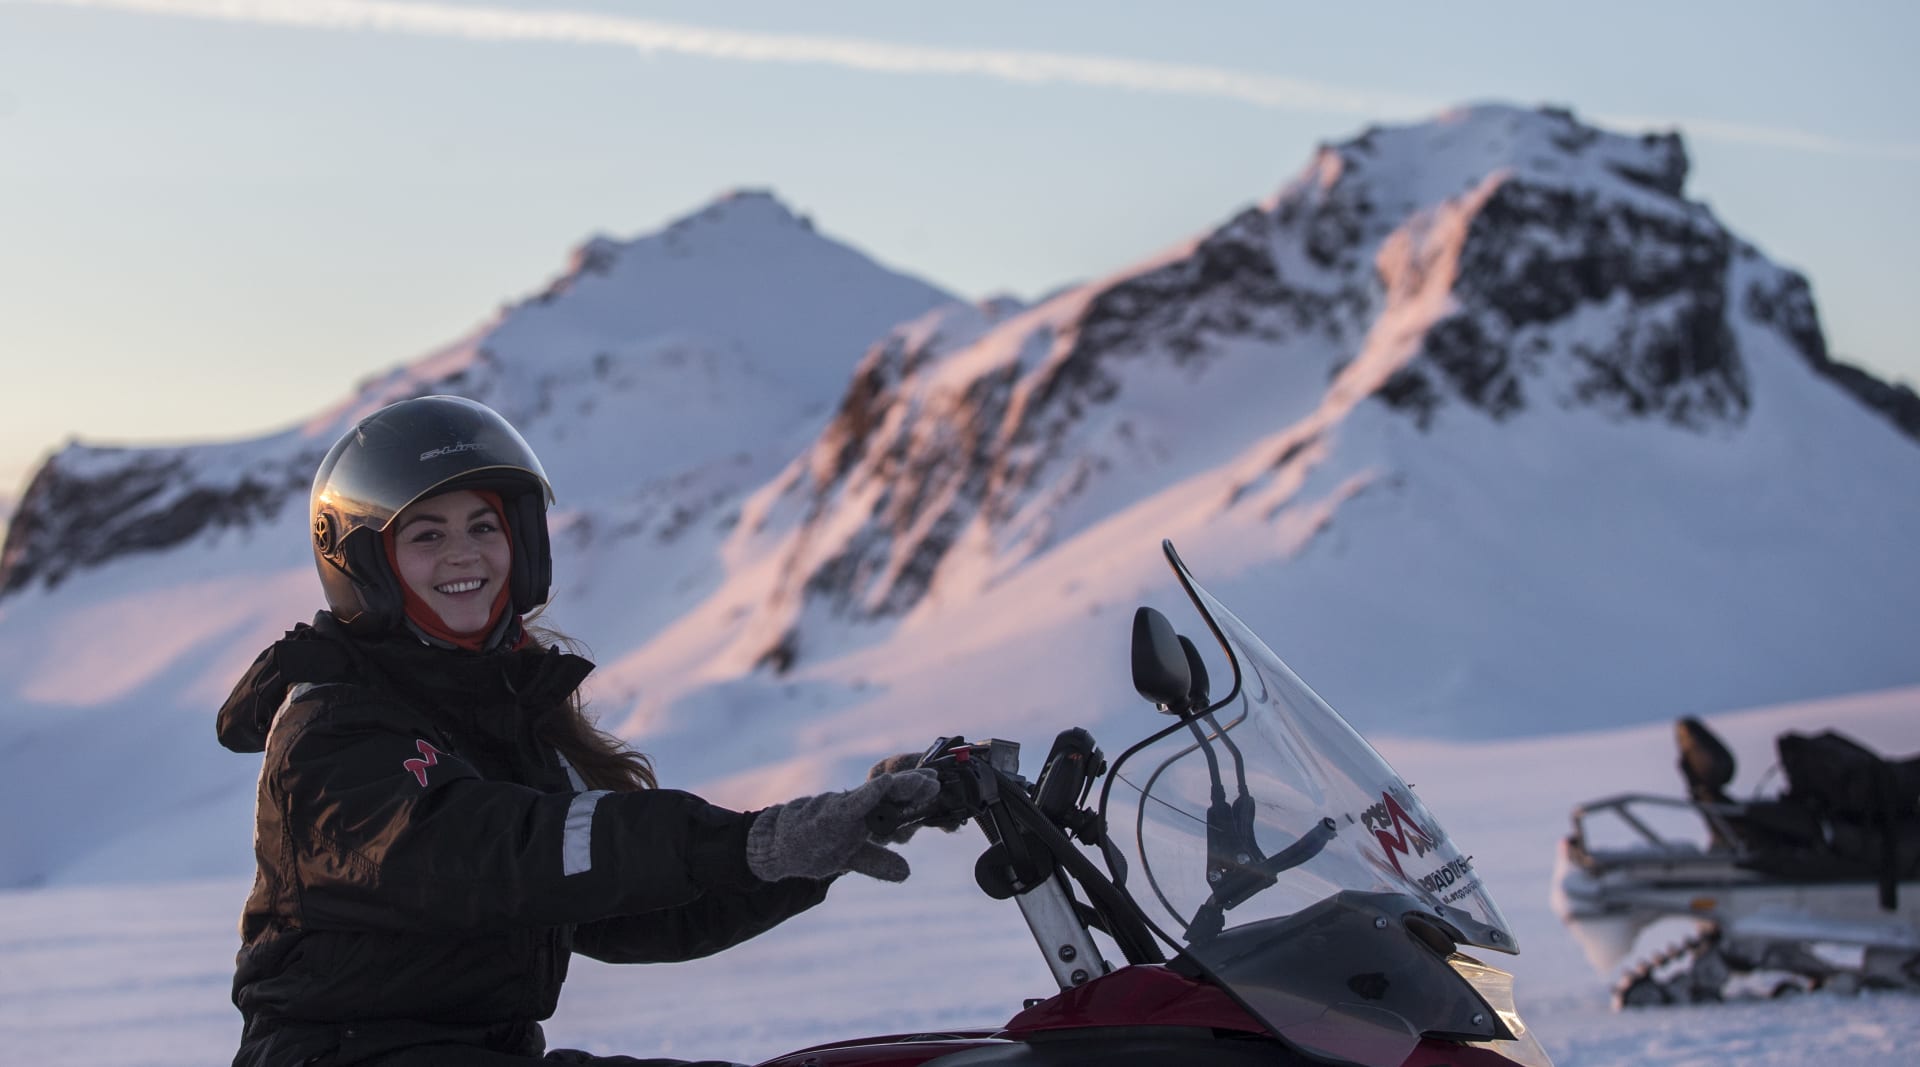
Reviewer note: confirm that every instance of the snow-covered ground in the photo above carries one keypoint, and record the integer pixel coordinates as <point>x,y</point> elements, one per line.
<point>136,974</point>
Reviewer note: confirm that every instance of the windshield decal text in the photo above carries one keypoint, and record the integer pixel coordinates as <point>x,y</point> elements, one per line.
<point>1459,869</point>
<point>1406,836</point>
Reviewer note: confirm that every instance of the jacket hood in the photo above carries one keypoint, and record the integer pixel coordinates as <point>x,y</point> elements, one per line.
<point>248,713</point>
<point>536,679</point>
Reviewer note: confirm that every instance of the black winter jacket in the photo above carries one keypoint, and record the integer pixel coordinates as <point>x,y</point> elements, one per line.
<point>426,866</point>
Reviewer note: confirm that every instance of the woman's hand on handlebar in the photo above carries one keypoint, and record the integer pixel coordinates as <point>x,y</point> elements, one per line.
<point>895,826</point>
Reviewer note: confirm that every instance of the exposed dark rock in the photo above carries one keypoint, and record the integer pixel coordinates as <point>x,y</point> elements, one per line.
<point>597,256</point>
<point>1333,229</point>
<point>1478,366</point>
<point>863,407</point>
<point>1788,307</point>
<point>1573,137</point>
<point>1185,303</point>
<point>67,522</point>
<point>915,575</point>
<point>780,656</point>
<point>944,460</point>
<point>1408,390</point>
<point>1683,367</point>
<point>1669,174</point>
<point>1229,287</point>
<point>1896,401</point>
<point>1666,165</point>
<point>1535,254</point>
<point>1294,450</point>
<point>1668,180</point>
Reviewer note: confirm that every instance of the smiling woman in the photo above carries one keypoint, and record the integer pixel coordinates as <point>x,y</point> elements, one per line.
<point>439,827</point>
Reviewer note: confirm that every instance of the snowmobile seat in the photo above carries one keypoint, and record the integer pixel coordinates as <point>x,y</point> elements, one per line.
<point>1868,807</point>
<point>1770,833</point>
<point>1837,777</point>
<point>1848,814</point>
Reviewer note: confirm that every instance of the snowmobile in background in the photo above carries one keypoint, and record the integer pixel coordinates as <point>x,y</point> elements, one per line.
<point>1266,891</point>
<point>1818,887</point>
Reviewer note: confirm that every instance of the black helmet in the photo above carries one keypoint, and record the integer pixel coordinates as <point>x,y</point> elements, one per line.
<point>406,452</point>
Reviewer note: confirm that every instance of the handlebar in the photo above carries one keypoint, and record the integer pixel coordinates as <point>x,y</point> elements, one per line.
<point>952,807</point>
<point>1028,826</point>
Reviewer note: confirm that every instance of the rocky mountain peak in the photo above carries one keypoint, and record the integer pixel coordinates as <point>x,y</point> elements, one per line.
<point>1534,220</point>
<point>1428,161</point>
<point>1490,262</point>
<point>1568,223</point>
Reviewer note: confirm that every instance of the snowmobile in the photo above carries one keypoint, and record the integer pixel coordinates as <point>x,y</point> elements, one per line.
<point>1817,887</point>
<point>1254,885</point>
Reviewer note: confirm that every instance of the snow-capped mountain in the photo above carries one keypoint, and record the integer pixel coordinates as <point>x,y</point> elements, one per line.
<point>1482,423</point>
<point>1487,397</point>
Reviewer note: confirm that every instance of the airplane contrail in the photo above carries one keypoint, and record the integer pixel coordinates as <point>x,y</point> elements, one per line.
<point>1030,67</point>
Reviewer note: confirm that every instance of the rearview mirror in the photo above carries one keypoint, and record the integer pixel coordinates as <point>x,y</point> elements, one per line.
<point>1160,671</point>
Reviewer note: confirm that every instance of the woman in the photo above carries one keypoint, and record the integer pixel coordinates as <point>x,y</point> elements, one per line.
<point>438,826</point>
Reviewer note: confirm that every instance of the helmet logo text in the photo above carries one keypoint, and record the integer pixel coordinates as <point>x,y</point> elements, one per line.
<point>450,450</point>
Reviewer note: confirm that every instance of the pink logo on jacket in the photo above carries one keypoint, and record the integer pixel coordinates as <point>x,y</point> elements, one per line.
<point>429,756</point>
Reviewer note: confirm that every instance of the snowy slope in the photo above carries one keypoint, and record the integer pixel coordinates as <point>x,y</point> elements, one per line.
<point>137,976</point>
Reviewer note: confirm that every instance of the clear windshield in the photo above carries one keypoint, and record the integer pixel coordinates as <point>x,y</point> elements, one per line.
<point>1273,842</point>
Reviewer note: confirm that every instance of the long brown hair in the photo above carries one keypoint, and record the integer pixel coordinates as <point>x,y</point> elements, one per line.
<point>602,760</point>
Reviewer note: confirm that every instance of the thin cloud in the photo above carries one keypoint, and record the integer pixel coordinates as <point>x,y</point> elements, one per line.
<point>653,37</point>
<point>1768,137</point>
<point>650,37</point>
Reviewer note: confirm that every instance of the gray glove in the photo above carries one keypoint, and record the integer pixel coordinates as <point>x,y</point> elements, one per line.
<point>826,835</point>
<point>905,761</point>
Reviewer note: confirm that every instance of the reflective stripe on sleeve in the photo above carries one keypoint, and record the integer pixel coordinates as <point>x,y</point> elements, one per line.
<point>579,783</point>
<point>576,846</point>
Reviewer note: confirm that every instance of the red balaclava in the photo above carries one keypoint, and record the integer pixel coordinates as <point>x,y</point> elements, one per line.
<point>429,620</point>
